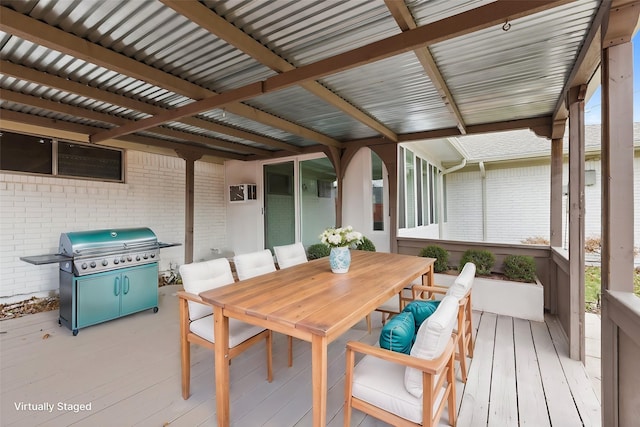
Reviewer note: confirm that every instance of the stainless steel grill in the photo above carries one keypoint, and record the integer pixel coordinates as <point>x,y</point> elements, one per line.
<point>105,274</point>
<point>106,250</point>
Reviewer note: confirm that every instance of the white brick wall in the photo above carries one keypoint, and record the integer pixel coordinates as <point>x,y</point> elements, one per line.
<point>34,211</point>
<point>518,204</point>
<point>464,206</point>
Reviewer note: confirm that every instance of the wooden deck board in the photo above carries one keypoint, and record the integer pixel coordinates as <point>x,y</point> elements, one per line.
<point>562,410</point>
<point>503,405</point>
<point>532,406</point>
<point>585,397</point>
<point>129,370</point>
<point>474,409</point>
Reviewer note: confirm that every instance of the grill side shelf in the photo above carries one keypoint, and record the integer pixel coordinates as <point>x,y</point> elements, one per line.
<point>162,245</point>
<point>46,259</point>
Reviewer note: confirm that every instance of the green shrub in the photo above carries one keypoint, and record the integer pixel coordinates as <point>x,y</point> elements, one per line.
<point>366,245</point>
<point>520,268</point>
<point>440,254</point>
<point>318,250</point>
<point>483,260</point>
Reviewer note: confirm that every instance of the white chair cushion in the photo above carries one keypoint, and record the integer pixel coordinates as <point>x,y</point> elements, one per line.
<point>254,264</point>
<point>198,277</point>
<point>463,282</point>
<point>290,255</point>
<point>238,331</point>
<point>380,383</point>
<point>431,340</point>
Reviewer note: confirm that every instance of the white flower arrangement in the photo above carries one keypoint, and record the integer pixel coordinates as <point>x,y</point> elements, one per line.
<point>340,237</point>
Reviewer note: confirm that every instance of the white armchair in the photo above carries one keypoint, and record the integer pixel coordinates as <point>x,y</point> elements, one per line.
<point>461,290</point>
<point>290,255</point>
<point>402,389</point>
<point>256,264</point>
<point>196,317</point>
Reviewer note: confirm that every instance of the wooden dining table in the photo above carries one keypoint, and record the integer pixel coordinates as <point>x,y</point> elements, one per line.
<point>310,302</point>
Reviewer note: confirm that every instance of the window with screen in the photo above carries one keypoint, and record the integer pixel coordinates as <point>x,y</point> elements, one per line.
<point>46,156</point>
<point>25,153</point>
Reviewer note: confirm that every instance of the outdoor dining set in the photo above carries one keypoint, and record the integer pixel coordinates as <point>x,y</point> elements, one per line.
<point>408,379</point>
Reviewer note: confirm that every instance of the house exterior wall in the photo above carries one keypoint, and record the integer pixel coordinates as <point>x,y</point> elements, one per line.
<point>464,206</point>
<point>35,210</point>
<point>357,201</point>
<point>245,221</point>
<point>517,203</point>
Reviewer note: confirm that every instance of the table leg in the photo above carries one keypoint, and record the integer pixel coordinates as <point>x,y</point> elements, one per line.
<point>429,275</point>
<point>221,357</point>
<point>319,379</point>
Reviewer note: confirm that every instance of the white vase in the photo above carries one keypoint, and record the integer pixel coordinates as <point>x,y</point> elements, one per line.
<point>340,259</point>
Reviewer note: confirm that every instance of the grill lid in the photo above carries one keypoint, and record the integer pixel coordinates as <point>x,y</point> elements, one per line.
<point>80,243</point>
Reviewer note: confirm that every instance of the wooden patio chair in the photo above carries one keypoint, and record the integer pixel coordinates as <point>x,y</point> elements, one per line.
<point>407,390</point>
<point>254,264</point>
<point>290,255</point>
<point>461,290</point>
<point>196,317</point>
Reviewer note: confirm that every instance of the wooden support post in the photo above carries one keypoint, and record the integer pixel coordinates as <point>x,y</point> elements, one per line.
<point>617,212</point>
<point>190,158</point>
<point>555,220</point>
<point>576,222</point>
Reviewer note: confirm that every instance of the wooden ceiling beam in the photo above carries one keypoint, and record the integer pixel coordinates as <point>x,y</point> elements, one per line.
<point>40,77</point>
<point>48,123</point>
<point>71,110</point>
<point>40,33</point>
<point>586,64</point>
<point>536,124</point>
<point>235,95</point>
<point>215,24</point>
<point>401,13</point>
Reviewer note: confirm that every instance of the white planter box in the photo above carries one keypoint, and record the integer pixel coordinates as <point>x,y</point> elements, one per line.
<point>515,299</point>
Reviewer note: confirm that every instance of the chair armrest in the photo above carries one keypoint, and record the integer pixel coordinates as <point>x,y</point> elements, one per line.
<point>416,289</point>
<point>430,366</point>
<point>191,297</point>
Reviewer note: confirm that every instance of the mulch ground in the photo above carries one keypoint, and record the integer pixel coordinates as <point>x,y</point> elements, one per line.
<point>30,306</point>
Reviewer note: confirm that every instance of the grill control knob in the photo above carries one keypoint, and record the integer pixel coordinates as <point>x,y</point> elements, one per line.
<point>129,258</point>
<point>145,256</point>
<point>105,262</point>
<point>93,264</point>
<point>84,266</point>
<point>122,259</point>
<point>153,255</point>
<point>116,261</point>
<point>137,257</point>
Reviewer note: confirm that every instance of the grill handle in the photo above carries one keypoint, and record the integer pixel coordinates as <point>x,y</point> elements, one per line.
<point>126,285</point>
<point>116,286</point>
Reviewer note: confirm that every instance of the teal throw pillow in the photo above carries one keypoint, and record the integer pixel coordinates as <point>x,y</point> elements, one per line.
<point>398,333</point>
<point>421,310</point>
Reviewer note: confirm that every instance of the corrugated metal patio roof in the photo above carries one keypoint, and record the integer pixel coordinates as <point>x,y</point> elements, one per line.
<point>255,78</point>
